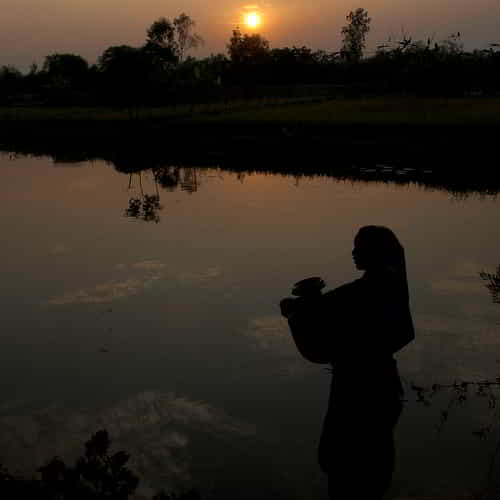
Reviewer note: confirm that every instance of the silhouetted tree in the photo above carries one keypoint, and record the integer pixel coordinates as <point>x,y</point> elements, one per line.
<point>186,39</point>
<point>453,44</point>
<point>162,32</point>
<point>161,43</point>
<point>248,48</point>
<point>125,71</point>
<point>354,34</point>
<point>161,72</point>
<point>65,69</point>
<point>300,65</point>
<point>9,73</point>
<point>196,77</point>
<point>250,58</point>
<point>11,80</point>
<point>214,69</point>
<point>121,61</point>
<point>174,38</point>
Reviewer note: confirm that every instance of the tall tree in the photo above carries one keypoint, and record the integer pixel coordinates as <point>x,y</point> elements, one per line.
<point>186,39</point>
<point>162,32</point>
<point>161,44</point>
<point>354,34</point>
<point>175,36</point>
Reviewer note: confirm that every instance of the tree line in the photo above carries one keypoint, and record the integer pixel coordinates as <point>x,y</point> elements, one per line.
<point>162,72</point>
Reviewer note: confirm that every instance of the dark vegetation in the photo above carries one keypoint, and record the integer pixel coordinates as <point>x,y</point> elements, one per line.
<point>411,97</point>
<point>161,73</point>
<point>96,475</point>
<point>458,136</point>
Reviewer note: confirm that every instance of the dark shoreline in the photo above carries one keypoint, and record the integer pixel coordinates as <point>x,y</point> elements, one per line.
<point>254,141</point>
<point>455,139</point>
<point>470,169</point>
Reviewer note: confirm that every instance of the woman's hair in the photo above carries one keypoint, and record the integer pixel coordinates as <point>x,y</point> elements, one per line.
<point>385,251</point>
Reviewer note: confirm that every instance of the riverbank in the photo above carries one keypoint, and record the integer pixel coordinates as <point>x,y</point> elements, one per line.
<point>317,110</point>
<point>385,128</point>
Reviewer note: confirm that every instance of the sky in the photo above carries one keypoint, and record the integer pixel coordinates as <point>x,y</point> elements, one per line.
<point>32,29</point>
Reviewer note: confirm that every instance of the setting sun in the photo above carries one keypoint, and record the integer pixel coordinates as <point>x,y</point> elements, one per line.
<point>252,19</point>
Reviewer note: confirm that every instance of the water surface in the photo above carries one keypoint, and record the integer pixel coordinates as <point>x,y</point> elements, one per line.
<point>147,305</point>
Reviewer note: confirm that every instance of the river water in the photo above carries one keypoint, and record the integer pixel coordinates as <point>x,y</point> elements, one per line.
<point>147,304</point>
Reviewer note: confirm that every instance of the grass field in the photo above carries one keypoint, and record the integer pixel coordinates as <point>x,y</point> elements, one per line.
<point>32,113</point>
<point>372,111</point>
<point>375,111</point>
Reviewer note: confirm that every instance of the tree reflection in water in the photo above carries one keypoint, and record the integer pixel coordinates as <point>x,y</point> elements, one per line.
<point>457,177</point>
<point>167,177</point>
<point>145,206</point>
<point>96,475</point>
<point>493,284</point>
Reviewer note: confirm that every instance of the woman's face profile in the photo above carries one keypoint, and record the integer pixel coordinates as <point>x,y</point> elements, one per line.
<point>360,253</point>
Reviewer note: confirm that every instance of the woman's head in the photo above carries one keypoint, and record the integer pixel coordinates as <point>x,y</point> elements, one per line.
<point>378,252</point>
<point>377,247</point>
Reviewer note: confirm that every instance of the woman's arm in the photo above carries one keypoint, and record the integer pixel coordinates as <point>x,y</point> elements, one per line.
<point>308,328</point>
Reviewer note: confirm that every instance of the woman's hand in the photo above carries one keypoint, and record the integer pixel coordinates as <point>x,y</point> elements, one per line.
<point>288,306</point>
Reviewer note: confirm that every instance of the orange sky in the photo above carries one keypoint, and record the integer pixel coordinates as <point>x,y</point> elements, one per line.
<point>31,29</point>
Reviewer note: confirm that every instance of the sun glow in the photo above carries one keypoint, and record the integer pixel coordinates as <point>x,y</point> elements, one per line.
<point>252,19</point>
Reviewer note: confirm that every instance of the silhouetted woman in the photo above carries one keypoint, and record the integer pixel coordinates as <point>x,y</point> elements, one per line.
<point>357,328</point>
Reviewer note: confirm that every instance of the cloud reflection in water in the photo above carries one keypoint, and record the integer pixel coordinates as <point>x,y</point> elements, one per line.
<point>158,429</point>
<point>152,271</point>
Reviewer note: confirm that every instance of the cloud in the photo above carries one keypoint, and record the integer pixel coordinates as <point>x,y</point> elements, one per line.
<point>270,336</point>
<point>105,292</point>
<point>150,271</point>
<point>109,291</point>
<point>190,278</point>
<point>169,410</point>
<point>156,428</point>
